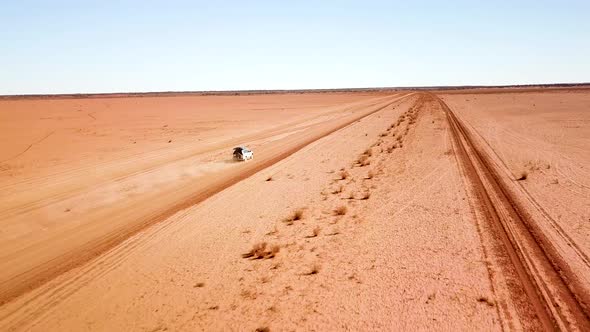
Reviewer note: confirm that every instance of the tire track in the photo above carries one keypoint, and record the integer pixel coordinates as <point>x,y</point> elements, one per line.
<point>28,147</point>
<point>565,237</point>
<point>556,305</point>
<point>39,275</point>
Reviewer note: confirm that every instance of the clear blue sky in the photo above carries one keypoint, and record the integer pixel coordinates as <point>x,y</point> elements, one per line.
<point>106,46</point>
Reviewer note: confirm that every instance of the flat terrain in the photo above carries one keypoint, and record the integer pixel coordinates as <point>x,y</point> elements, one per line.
<point>360,211</point>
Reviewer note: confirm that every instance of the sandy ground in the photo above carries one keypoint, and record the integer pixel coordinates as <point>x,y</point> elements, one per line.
<point>359,212</point>
<point>545,135</point>
<point>82,206</point>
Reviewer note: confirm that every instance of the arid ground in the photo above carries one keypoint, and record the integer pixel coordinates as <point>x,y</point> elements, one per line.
<point>448,210</point>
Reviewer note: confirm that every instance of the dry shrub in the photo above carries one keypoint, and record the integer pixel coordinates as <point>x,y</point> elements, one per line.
<point>368,152</point>
<point>366,196</point>
<point>263,329</point>
<point>370,174</point>
<point>382,134</point>
<point>365,161</point>
<point>315,232</point>
<point>247,294</point>
<point>341,210</point>
<point>274,250</point>
<point>269,178</point>
<point>296,215</point>
<point>361,159</point>
<point>315,269</point>
<point>257,251</point>
<point>522,175</point>
<point>260,250</point>
<point>343,175</point>
<point>338,190</point>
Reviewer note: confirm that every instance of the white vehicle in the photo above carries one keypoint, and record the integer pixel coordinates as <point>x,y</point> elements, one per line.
<point>242,153</point>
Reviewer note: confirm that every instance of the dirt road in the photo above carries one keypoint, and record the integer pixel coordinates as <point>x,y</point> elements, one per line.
<point>66,221</point>
<point>380,213</point>
<point>557,297</point>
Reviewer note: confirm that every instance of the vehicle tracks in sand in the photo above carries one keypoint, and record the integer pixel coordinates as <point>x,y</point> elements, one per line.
<point>555,299</point>
<point>181,198</point>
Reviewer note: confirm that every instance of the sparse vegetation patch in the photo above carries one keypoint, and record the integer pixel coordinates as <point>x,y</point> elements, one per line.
<point>341,210</point>
<point>261,250</point>
<point>296,215</point>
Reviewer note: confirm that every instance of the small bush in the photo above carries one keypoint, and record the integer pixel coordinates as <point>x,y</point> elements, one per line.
<point>296,215</point>
<point>260,250</point>
<point>338,190</point>
<point>315,269</point>
<point>341,210</point>
<point>370,175</point>
<point>316,231</point>
<point>343,175</point>
<point>364,161</point>
<point>274,250</point>
<point>257,251</point>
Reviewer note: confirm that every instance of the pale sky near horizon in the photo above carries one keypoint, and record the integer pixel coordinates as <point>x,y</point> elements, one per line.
<point>125,46</point>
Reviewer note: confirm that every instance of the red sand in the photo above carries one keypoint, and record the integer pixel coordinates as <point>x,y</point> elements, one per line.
<point>107,226</point>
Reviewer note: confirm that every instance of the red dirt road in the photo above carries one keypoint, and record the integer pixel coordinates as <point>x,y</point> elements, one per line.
<point>69,207</point>
<point>411,212</point>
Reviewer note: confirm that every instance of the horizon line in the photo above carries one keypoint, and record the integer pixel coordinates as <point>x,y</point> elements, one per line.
<point>278,91</point>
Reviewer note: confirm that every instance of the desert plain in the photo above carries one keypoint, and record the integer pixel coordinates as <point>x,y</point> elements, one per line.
<point>386,210</point>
